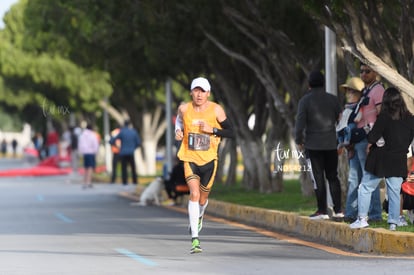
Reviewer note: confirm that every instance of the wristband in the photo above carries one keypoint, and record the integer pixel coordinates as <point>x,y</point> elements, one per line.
<point>217,132</point>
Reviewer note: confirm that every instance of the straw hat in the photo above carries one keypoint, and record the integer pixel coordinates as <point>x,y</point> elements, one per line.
<point>354,83</point>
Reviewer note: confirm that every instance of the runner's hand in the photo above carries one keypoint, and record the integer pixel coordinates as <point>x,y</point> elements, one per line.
<point>179,135</point>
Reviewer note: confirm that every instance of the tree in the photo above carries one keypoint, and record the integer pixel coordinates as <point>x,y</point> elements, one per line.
<point>141,43</point>
<point>43,83</point>
<point>379,33</point>
<point>120,37</point>
<point>269,46</point>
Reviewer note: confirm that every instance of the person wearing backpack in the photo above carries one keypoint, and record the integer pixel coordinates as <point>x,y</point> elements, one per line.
<point>370,105</point>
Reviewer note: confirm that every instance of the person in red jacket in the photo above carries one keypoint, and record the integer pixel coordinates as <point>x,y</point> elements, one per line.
<point>52,143</point>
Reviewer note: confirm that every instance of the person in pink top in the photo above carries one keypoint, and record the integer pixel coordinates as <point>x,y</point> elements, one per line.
<point>370,107</point>
<point>375,92</point>
<point>88,146</point>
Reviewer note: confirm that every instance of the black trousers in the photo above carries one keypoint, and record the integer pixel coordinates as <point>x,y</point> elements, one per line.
<point>125,161</point>
<point>115,160</point>
<point>325,164</point>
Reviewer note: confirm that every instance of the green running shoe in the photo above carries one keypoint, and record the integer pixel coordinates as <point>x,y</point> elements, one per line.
<point>195,247</point>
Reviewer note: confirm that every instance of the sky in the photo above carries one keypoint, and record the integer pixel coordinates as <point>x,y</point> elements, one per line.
<point>4,7</point>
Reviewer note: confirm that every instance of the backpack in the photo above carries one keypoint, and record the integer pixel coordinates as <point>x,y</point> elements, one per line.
<point>348,117</point>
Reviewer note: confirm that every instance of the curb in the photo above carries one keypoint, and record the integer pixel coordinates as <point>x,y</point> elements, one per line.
<point>367,240</point>
<point>370,240</point>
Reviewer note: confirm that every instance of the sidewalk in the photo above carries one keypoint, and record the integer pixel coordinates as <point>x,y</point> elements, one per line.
<point>377,241</point>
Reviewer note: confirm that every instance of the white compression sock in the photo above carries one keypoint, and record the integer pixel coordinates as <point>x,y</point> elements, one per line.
<point>193,211</point>
<point>203,208</point>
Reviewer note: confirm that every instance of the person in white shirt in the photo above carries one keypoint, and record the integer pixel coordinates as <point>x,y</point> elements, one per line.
<point>88,146</point>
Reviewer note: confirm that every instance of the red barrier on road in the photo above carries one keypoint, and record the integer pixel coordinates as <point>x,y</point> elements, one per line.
<point>51,166</point>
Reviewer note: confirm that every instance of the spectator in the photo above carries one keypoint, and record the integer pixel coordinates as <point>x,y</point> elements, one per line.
<point>52,143</point>
<point>74,144</point>
<point>4,147</point>
<point>115,154</point>
<point>371,105</point>
<point>407,192</point>
<point>88,146</point>
<point>66,142</point>
<point>14,147</point>
<point>351,113</point>
<point>130,141</point>
<point>38,144</point>
<point>396,125</point>
<point>406,196</point>
<point>318,112</point>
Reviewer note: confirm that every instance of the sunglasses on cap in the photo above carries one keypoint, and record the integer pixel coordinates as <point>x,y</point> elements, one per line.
<point>366,71</point>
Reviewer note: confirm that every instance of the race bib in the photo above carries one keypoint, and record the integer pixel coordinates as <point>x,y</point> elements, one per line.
<point>198,142</point>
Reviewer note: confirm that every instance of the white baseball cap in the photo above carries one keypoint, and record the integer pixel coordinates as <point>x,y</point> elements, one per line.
<point>202,83</point>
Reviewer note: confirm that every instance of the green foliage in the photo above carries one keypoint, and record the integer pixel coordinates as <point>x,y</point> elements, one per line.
<point>10,122</point>
<point>290,200</point>
<point>74,84</point>
<point>35,77</point>
<point>132,40</point>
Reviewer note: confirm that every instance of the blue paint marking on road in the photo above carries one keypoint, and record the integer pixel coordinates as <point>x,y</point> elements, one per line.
<point>63,218</point>
<point>40,198</point>
<point>136,257</point>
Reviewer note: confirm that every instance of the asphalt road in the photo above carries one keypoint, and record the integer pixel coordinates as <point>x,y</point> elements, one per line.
<point>49,225</point>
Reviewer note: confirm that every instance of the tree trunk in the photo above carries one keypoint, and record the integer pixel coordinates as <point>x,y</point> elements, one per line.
<point>232,171</point>
<point>272,141</point>
<point>306,177</point>
<point>227,168</point>
<point>153,127</point>
<point>343,168</point>
<point>146,158</point>
<point>256,172</point>
<point>152,130</point>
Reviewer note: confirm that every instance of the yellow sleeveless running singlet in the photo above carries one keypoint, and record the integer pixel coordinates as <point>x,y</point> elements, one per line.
<point>196,146</point>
